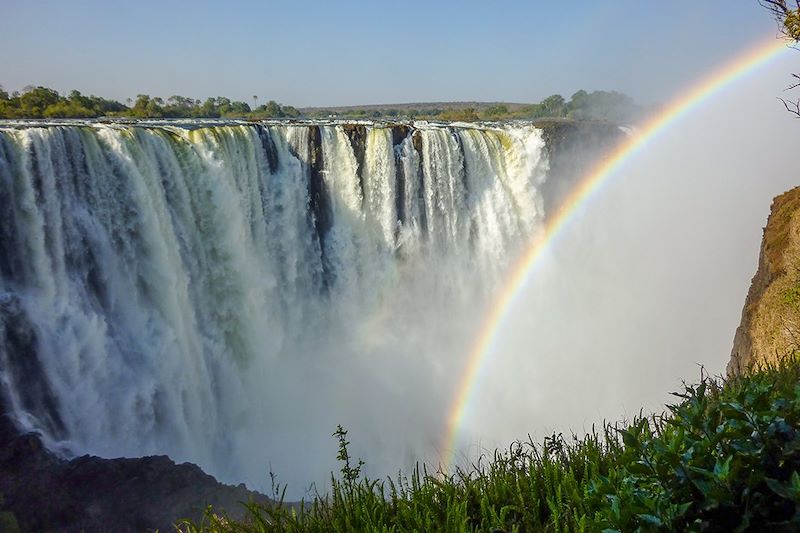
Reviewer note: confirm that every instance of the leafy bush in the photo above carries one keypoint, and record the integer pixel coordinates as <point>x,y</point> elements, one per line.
<point>726,457</point>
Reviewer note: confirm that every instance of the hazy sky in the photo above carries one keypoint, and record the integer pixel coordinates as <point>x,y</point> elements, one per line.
<point>337,53</point>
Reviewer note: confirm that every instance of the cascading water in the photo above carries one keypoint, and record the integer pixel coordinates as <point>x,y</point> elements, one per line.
<point>227,294</point>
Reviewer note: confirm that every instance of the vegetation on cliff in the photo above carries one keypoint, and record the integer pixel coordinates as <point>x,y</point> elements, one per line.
<point>725,457</point>
<point>771,316</point>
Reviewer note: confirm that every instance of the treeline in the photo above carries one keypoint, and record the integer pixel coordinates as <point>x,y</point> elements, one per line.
<point>219,107</point>
<point>42,102</point>
<point>610,106</point>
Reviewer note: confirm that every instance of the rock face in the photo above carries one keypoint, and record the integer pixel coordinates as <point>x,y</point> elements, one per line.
<point>573,148</point>
<point>770,326</point>
<point>47,493</point>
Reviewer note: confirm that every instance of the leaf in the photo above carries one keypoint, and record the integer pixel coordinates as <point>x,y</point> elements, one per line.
<point>615,506</point>
<point>681,509</point>
<point>722,470</point>
<point>779,488</point>
<point>630,440</point>
<point>651,519</point>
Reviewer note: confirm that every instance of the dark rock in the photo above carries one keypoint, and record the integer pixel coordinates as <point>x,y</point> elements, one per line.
<point>44,492</point>
<point>319,197</point>
<point>357,134</point>
<point>268,146</point>
<point>399,133</point>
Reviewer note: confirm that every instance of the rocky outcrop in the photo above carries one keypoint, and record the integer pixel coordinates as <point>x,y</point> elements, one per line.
<point>770,325</point>
<point>43,492</point>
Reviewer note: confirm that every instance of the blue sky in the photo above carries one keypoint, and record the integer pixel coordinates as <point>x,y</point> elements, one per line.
<point>359,52</point>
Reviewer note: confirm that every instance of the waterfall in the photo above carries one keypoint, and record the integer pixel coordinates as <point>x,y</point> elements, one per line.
<point>227,294</point>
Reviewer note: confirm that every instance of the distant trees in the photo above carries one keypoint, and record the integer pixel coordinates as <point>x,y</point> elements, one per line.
<point>610,106</point>
<point>461,115</point>
<point>178,106</point>
<point>42,102</point>
<point>496,111</point>
<point>147,107</point>
<point>273,109</point>
<point>553,106</point>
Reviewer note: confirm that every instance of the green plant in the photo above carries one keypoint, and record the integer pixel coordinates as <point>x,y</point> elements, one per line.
<point>725,457</point>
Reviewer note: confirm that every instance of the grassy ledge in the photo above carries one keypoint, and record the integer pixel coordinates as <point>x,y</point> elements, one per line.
<point>725,457</point>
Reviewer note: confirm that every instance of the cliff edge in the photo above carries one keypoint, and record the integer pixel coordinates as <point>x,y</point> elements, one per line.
<point>770,326</point>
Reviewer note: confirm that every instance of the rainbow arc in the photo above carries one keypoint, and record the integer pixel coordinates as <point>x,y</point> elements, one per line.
<point>525,267</point>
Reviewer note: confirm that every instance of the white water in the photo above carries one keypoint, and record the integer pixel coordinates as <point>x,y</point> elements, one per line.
<point>187,294</point>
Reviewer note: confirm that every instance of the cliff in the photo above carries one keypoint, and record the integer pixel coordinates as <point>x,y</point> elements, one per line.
<point>770,326</point>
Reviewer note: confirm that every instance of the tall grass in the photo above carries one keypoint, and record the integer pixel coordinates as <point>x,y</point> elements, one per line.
<point>724,457</point>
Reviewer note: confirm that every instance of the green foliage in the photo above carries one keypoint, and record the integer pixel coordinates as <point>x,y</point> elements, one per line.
<point>273,109</point>
<point>496,111</point>
<point>461,115</point>
<point>553,106</point>
<point>726,457</point>
<point>350,473</point>
<point>41,102</point>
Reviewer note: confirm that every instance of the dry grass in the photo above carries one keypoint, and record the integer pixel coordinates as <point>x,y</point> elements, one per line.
<point>775,322</point>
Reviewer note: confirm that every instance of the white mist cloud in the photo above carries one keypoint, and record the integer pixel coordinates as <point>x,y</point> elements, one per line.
<point>649,278</point>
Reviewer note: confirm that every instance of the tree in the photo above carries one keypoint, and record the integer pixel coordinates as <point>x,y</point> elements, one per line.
<point>788,18</point>
<point>147,107</point>
<point>35,100</point>
<point>272,109</point>
<point>552,106</point>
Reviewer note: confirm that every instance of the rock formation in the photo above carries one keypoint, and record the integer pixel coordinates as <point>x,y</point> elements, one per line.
<point>770,326</point>
<point>44,492</point>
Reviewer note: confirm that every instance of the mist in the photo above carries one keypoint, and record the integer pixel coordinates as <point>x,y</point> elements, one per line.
<point>647,282</point>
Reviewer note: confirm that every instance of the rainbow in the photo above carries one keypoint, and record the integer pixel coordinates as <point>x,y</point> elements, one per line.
<point>481,353</point>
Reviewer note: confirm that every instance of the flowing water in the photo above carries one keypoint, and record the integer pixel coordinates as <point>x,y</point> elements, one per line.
<point>227,294</point>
